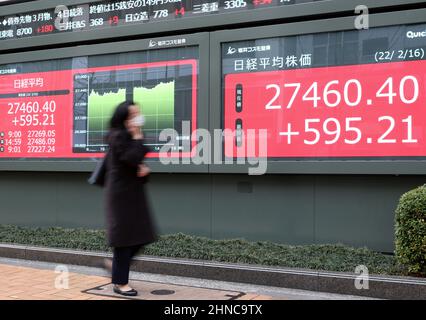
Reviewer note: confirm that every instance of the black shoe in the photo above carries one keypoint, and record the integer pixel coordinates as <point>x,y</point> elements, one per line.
<point>129,293</point>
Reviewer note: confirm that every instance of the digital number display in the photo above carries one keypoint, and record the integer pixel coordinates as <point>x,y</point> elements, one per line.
<point>329,95</point>
<point>62,108</point>
<point>110,14</point>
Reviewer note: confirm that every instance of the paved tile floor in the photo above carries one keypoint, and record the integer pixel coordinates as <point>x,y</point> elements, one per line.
<point>24,283</point>
<point>165,291</point>
<point>31,280</point>
<point>36,284</point>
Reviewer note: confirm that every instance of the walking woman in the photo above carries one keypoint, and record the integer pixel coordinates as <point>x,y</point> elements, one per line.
<point>128,218</point>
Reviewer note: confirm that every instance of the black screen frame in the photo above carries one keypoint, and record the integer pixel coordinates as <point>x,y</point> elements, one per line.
<point>201,40</point>
<point>263,15</point>
<point>354,166</point>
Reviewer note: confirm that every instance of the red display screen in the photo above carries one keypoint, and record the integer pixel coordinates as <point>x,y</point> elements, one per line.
<point>365,110</point>
<point>31,125</point>
<point>66,113</point>
<point>315,104</point>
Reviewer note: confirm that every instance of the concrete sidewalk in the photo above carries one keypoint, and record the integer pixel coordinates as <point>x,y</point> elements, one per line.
<point>25,283</point>
<point>30,280</point>
<point>22,283</point>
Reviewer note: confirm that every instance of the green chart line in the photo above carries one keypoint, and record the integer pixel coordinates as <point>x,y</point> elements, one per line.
<point>101,108</point>
<point>157,105</point>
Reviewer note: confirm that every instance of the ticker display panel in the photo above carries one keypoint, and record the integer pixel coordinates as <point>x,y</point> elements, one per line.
<point>357,94</point>
<point>112,14</point>
<point>61,108</point>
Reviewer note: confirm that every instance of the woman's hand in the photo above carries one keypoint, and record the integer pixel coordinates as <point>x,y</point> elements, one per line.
<point>143,170</point>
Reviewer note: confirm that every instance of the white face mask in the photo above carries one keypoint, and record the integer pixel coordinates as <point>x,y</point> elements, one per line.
<point>138,121</point>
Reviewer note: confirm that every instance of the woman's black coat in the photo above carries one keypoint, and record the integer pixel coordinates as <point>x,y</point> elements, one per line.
<point>128,216</point>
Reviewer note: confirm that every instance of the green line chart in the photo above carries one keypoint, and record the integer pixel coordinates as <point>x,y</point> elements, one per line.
<point>157,104</point>
<point>101,108</point>
<point>164,93</point>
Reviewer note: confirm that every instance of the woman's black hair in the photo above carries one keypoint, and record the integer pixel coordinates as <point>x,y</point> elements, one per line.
<point>120,115</point>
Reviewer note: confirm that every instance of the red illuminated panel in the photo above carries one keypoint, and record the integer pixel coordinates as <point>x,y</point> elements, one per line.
<point>39,125</point>
<point>374,110</point>
<point>36,112</point>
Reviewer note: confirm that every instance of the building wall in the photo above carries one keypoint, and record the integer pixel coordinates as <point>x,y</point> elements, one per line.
<point>292,209</point>
<point>295,209</point>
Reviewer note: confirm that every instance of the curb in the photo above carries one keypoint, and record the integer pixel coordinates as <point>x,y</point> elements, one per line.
<point>382,287</point>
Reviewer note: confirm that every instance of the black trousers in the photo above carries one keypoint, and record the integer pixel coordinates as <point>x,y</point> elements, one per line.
<point>122,256</point>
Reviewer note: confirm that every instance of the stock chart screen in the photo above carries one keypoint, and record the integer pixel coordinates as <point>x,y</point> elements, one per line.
<point>62,108</point>
<point>112,14</point>
<point>337,95</point>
